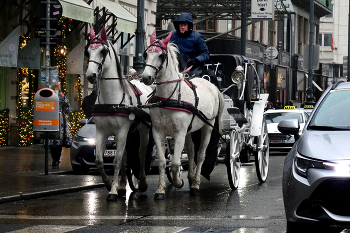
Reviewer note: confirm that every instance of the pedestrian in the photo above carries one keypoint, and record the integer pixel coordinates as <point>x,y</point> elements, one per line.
<point>289,103</point>
<point>88,102</point>
<point>278,105</point>
<point>65,138</point>
<point>193,49</point>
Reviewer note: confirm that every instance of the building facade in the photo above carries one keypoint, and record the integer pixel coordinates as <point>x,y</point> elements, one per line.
<point>19,84</point>
<point>333,41</point>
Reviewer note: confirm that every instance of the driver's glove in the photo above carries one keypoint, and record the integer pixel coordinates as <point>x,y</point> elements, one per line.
<point>193,62</point>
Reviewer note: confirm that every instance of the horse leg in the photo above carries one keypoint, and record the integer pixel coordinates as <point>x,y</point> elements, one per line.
<point>144,138</point>
<point>120,141</point>
<point>100,149</point>
<point>205,138</point>
<point>190,156</point>
<point>179,141</point>
<point>159,140</point>
<point>122,186</point>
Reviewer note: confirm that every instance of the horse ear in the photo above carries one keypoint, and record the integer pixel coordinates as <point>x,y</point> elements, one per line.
<point>166,40</point>
<point>103,34</point>
<point>92,33</point>
<point>153,37</point>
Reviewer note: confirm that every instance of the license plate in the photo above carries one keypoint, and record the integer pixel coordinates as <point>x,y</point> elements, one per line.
<point>277,141</point>
<point>108,153</point>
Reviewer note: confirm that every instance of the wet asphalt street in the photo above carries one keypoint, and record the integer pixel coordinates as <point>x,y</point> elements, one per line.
<point>254,207</point>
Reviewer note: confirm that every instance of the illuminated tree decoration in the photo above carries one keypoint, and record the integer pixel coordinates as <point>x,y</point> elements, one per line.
<point>4,127</point>
<point>76,116</point>
<point>25,107</point>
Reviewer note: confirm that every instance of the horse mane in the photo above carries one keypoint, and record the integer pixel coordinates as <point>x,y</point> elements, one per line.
<point>173,50</point>
<point>119,68</point>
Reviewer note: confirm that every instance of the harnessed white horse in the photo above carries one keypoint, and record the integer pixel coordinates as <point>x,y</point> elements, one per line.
<point>179,108</point>
<point>112,111</point>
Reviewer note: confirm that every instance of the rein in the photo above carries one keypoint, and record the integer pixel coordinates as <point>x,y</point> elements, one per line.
<point>119,109</point>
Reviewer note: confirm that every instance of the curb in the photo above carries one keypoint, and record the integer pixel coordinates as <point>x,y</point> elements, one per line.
<point>27,196</point>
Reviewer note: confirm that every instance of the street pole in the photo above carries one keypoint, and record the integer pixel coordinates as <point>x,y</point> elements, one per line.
<point>309,92</point>
<point>244,27</point>
<point>47,50</point>
<point>140,36</point>
<point>348,44</point>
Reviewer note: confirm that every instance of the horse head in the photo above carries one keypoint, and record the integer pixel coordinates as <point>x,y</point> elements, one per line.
<point>155,56</point>
<point>96,50</point>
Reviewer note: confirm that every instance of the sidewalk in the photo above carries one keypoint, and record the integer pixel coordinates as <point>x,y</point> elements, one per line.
<point>22,175</point>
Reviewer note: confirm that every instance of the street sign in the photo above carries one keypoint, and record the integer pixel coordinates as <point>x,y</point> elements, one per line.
<point>55,11</point>
<point>271,53</point>
<point>40,32</point>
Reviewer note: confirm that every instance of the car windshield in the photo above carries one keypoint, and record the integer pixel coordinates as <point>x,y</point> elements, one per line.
<point>277,117</point>
<point>333,111</point>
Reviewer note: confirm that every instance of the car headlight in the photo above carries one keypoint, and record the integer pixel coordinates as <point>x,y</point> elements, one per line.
<point>303,164</point>
<point>77,139</point>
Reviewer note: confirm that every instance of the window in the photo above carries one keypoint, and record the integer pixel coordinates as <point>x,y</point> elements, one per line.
<point>207,25</point>
<point>327,39</point>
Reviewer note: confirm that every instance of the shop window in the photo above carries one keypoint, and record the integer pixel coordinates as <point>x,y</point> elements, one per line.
<point>207,26</point>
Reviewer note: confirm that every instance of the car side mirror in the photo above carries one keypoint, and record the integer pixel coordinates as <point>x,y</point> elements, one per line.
<point>83,122</point>
<point>290,126</point>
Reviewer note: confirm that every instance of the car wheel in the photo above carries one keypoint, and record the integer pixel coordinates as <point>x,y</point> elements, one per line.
<point>81,170</point>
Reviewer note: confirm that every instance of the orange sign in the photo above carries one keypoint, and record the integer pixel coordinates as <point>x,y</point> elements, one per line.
<point>46,122</point>
<point>44,106</point>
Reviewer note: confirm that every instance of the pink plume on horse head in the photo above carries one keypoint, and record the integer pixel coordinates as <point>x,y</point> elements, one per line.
<point>163,43</point>
<point>104,35</point>
<point>100,38</point>
<point>92,33</point>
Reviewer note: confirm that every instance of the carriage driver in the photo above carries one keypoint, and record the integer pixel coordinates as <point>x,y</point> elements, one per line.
<point>193,49</point>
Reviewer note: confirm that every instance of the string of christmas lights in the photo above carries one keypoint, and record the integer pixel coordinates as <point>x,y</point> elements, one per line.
<point>4,127</point>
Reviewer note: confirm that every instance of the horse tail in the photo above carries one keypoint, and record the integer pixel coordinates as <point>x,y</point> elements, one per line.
<point>221,109</point>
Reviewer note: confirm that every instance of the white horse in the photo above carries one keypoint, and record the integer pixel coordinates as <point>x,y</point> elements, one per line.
<point>179,108</point>
<point>112,111</point>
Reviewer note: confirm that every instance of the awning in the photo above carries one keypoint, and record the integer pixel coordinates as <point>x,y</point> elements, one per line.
<point>126,21</point>
<point>78,10</point>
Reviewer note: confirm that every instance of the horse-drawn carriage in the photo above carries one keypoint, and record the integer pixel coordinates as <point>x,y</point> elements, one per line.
<point>243,124</point>
<point>193,112</point>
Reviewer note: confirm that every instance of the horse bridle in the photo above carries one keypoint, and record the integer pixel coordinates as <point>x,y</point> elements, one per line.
<point>164,53</point>
<point>98,41</point>
<point>100,64</point>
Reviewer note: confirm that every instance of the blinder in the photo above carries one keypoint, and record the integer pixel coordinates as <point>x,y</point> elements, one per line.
<point>163,57</point>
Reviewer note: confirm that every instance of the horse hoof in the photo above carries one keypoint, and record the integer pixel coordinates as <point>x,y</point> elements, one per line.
<point>112,197</point>
<point>122,192</point>
<point>159,196</point>
<point>143,189</point>
<point>194,191</point>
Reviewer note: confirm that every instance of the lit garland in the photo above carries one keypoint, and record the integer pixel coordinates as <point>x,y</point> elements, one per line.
<point>25,113</point>
<point>61,63</point>
<point>76,116</point>
<point>4,127</point>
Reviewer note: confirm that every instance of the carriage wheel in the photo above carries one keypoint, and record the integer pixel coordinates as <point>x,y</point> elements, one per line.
<point>133,181</point>
<point>233,163</point>
<point>262,153</point>
<point>168,169</point>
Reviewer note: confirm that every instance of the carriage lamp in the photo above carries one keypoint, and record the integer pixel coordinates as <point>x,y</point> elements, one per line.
<point>237,76</point>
